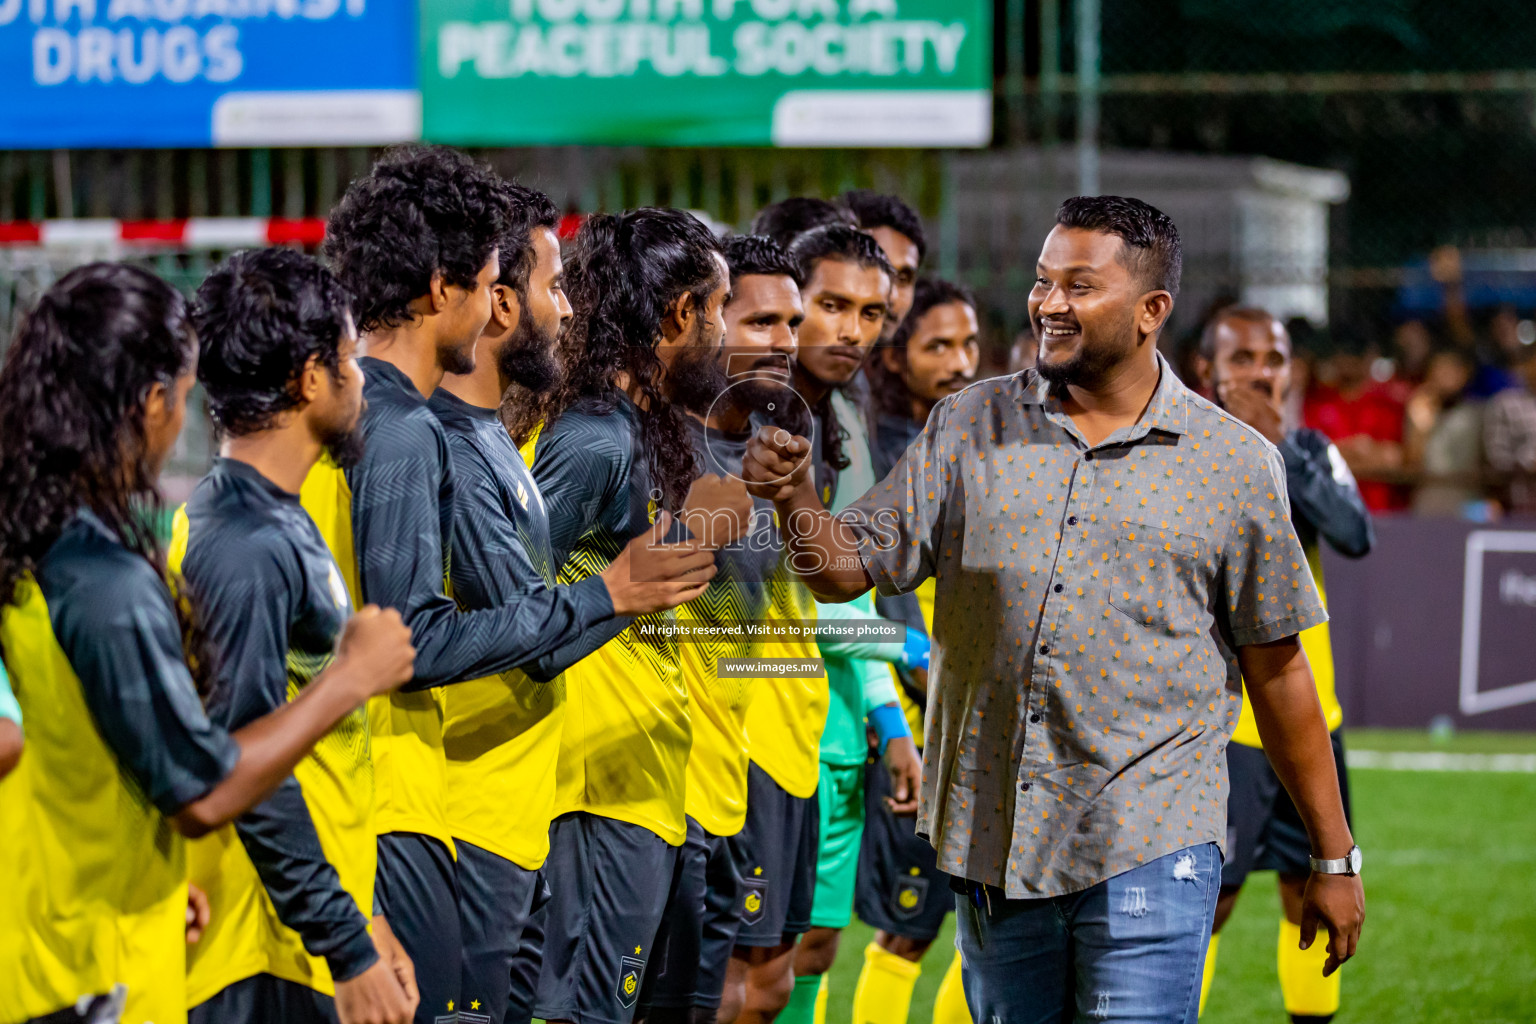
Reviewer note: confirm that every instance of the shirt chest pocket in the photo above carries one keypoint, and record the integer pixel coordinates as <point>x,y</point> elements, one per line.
<point>1159,579</point>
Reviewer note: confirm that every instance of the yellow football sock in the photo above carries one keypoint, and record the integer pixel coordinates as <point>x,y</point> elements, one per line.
<point>884,992</point>
<point>1210,969</point>
<point>821,1000</point>
<point>950,1007</point>
<point>1302,985</point>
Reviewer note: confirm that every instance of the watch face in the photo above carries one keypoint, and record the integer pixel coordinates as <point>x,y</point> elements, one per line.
<point>1354,860</point>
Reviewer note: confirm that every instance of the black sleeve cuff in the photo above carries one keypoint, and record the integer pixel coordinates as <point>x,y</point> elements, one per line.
<point>353,954</point>
<point>592,599</point>
<point>599,624</point>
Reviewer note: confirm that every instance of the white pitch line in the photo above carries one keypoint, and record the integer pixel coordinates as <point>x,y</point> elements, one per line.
<point>1439,761</point>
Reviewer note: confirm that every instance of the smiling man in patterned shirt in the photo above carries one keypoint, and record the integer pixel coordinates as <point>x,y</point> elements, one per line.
<point>1111,552</point>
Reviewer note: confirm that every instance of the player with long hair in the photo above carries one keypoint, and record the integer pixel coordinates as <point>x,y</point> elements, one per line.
<point>501,733</point>
<point>612,457</point>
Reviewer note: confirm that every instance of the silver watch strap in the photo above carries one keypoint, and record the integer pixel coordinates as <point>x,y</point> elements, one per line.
<point>1349,864</point>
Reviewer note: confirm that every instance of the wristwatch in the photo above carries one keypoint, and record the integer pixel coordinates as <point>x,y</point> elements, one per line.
<point>1349,864</point>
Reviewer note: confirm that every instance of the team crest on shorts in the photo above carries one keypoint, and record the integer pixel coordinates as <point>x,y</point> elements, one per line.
<point>631,970</point>
<point>908,897</point>
<point>753,902</point>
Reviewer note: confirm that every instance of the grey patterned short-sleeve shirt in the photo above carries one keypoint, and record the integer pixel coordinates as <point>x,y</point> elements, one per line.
<point>1089,604</point>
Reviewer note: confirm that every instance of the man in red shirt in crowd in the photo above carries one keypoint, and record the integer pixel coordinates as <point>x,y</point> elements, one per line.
<point>1363,419</point>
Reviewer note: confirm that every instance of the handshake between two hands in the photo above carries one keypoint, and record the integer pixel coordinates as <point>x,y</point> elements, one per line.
<point>652,574</point>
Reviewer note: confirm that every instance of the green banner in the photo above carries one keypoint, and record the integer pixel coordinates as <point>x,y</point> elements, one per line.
<point>707,72</point>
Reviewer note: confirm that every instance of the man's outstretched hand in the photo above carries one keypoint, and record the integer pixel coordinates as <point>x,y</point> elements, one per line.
<point>650,575</point>
<point>1337,902</point>
<point>776,462</point>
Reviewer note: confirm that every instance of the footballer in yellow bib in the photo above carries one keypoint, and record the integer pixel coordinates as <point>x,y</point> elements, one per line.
<point>647,287</point>
<point>1245,360</point>
<point>290,883</point>
<point>416,242</point>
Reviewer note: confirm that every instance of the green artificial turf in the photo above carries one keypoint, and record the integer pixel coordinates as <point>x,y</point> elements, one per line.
<point>1450,881</point>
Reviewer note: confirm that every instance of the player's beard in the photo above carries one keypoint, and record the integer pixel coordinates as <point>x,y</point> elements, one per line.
<point>772,401</point>
<point>345,445</point>
<point>458,361</point>
<point>528,358</point>
<point>695,379</point>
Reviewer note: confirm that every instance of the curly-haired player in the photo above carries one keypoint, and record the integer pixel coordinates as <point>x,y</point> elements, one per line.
<point>416,242</point>
<point>278,364</point>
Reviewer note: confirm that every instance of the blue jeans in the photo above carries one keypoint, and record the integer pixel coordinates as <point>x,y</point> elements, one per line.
<point>1128,949</point>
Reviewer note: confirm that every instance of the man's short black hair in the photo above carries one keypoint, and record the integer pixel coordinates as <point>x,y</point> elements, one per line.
<point>758,254</point>
<point>1248,314</point>
<point>1152,248</point>
<point>259,318</point>
<point>838,242</point>
<point>880,210</point>
<point>524,209</point>
<point>420,210</point>
<point>788,219</point>
<point>930,292</point>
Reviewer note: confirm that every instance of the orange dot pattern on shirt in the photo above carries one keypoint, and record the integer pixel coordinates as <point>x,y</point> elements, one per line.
<point>1089,601</point>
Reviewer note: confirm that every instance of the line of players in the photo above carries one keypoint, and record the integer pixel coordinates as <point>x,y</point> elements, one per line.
<point>574,820</point>
<point>579,796</point>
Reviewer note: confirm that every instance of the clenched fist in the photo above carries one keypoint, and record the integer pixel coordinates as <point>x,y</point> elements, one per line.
<point>718,510</point>
<point>375,648</point>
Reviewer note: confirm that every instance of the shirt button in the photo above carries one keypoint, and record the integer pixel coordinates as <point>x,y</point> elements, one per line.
<point>1034,718</point>
<point>1060,588</point>
<point>1045,648</point>
<point>1087,456</point>
<point>1024,787</point>
<point>1071,520</point>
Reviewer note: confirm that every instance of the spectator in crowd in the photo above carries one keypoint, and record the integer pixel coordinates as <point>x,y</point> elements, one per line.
<point>1489,376</point>
<point>1412,344</point>
<point>1442,436</point>
<point>1499,351</point>
<point>1022,353</point>
<point>1362,419</point>
<point>1307,342</point>
<point>1509,437</point>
